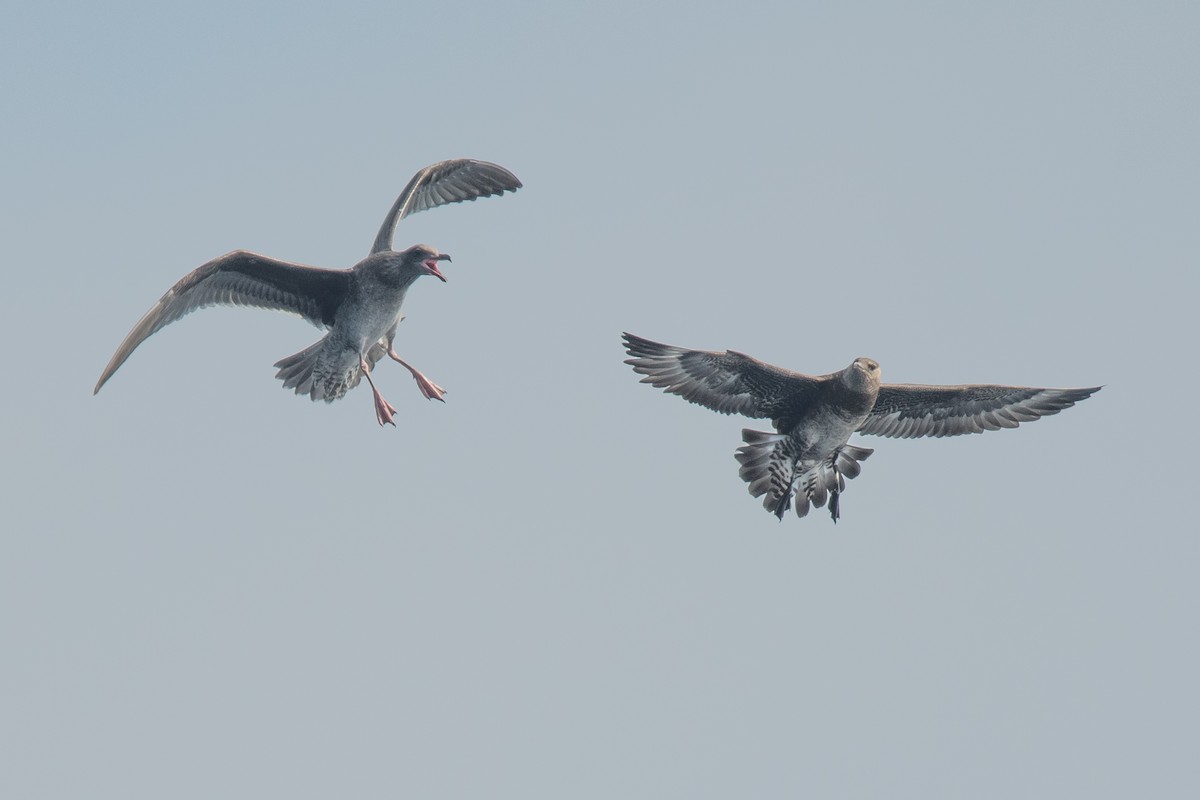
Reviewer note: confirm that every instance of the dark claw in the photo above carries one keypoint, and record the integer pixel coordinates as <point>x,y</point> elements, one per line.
<point>835,508</point>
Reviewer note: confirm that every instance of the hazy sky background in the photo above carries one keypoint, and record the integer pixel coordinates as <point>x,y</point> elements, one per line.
<point>555,585</point>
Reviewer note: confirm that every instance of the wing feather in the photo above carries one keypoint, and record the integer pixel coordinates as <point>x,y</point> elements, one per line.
<point>907,410</point>
<point>452,181</point>
<point>240,278</point>
<point>728,382</point>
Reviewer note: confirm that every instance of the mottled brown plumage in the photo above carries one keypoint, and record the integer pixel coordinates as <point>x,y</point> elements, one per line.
<point>809,456</point>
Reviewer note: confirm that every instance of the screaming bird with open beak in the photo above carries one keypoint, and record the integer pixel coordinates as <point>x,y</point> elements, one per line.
<point>808,458</point>
<point>359,306</point>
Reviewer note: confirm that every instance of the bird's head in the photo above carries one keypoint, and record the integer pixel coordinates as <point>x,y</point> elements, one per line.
<point>863,374</point>
<point>424,259</point>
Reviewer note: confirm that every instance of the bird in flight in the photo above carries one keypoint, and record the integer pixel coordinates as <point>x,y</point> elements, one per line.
<point>360,306</point>
<point>808,457</point>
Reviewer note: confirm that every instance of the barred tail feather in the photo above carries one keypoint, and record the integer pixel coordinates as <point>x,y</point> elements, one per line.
<point>768,465</point>
<point>847,459</point>
<point>826,481</point>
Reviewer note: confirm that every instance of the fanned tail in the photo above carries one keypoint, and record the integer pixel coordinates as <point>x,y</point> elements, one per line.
<point>826,481</point>
<point>310,372</point>
<point>296,371</point>
<point>770,465</point>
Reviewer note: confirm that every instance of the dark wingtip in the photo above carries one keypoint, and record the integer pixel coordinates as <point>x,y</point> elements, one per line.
<point>1069,397</point>
<point>505,180</point>
<point>637,346</point>
<point>627,343</point>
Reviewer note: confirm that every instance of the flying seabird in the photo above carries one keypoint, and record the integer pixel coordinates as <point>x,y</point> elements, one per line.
<point>814,415</point>
<point>359,306</point>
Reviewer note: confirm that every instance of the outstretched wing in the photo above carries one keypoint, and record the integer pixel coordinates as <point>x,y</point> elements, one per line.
<point>906,411</point>
<point>450,181</point>
<point>728,382</point>
<point>241,278</point>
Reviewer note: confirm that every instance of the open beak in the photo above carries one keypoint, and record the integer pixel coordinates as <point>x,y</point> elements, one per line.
<point>432,268</point>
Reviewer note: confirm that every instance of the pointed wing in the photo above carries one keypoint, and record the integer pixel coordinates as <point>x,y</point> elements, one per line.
<point>241,278</point>
<point>445,182</point>
<point>728,382</point>
<point>906,411</point>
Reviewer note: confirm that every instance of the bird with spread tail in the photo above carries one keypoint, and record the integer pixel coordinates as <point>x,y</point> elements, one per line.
<point>808,456</point>
<point>360,306</point>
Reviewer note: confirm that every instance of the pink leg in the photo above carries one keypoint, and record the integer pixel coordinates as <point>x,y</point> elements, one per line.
<point>428,388</point>
<point>383,409</point>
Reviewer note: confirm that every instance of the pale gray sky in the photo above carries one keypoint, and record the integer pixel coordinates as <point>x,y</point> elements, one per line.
<point>555,585</point>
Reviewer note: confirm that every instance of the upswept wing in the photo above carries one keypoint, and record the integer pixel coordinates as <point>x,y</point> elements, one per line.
<point>906,411</point>
<point>240,278</point>
<point>445,182</point>
<point>728,382</point>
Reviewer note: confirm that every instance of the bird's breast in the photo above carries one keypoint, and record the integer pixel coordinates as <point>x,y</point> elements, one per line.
<point>824,430</point>
<point>368,316</point>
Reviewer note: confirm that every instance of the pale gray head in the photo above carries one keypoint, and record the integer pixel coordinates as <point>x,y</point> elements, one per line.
<point>862,375</point>
<point>424,258</point>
